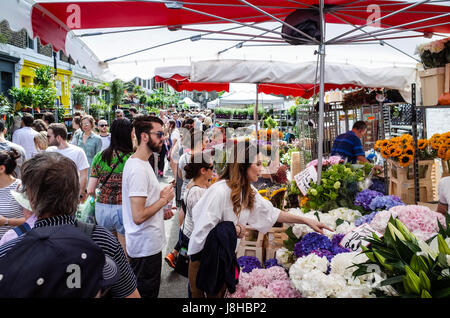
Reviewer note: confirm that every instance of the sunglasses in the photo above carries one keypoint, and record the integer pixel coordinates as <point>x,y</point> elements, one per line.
<point>209,167</point>
<point>158,134</point>
<point>103,125</point>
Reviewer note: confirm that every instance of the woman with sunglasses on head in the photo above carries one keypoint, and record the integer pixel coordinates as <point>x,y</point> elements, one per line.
<point>221,216</point>
<point>106,171</point>
<point>90,142</point>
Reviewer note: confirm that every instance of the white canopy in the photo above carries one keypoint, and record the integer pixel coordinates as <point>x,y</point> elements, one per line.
<point>213,103</point>
<point>189,102</point>
<point>242,71</point>
<point>249,98</point>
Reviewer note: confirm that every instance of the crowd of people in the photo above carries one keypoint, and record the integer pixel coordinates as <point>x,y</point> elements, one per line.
<point>47,173</point>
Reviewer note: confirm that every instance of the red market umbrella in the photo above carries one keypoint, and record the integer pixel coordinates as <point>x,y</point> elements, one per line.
<point>181,83</point>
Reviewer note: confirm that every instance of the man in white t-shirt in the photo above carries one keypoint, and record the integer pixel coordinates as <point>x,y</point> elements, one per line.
<point>104,134</point>
<point>142,207</point>
<point>444,195</point>
<point>25,135</point>
<point>57,136</point>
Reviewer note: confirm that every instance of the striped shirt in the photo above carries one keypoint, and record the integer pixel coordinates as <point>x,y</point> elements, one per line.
<point>9,207</point>
<point>348,146</point>
<point>105,240</point>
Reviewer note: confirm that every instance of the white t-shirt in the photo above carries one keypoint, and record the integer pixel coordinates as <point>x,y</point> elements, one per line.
<point>25,138</point>
<point>106,141</point>
<point>75,153</point>
<point>175,136</point>
<point>215,206</point>
<point>184,160</point>
<point>148,238</point>
<point>191,197</point>
<point>444,190</point>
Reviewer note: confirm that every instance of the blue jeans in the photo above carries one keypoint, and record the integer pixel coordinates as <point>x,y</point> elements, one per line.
<point>110,217</point>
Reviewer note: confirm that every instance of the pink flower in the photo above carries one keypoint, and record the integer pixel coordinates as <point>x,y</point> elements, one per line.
<point>283,289</point>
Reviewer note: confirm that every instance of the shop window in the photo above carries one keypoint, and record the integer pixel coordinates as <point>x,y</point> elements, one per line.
<point>30,43</point>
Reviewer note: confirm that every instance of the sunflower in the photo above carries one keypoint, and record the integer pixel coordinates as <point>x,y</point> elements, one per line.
<point>422,143</point>
<point>274,193</point>
<point>377,146</point>
<point>409,150</point>
<point>442,152</point>
<point>405,160</point>
<point>435,141</point>
<point>385,153</point>
<point>384,143</point>
<point>266,198</point>
<point>447,155</point>
<point>406,139</point>
<point>394,151</point>
<point>447,143</point>
<point>262,191</point>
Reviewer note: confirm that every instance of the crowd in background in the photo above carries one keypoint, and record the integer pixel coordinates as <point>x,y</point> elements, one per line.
<point>49,171</point>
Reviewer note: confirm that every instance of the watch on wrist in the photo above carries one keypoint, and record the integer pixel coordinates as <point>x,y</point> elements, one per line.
<point>6,222</point>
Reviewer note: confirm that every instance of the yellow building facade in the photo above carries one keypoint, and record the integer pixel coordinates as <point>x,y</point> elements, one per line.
<point>62,79</point>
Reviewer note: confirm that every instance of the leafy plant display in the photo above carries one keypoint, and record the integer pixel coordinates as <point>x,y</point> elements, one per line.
<point>339,187</point>
<point>414,268</point>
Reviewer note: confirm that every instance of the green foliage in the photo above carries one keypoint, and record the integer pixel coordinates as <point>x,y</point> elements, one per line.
<point>79,94</point>
<point>270,123</point>
<point>44,76</point>
<point>410,268</point>
<point>293,111</point>
<point>23,95</point>
<point>152,110</point>
<point>44,98</point>
<point>338,188</point>
<point>292,239</point>
<point>160,98</point>
<point>117,92</point>
<point>3,39</point>
<point>302,101</point>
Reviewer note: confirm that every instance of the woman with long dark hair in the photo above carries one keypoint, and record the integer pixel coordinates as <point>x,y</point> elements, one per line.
<point>232,201</point>
<point>106,173</point>
<point>11,212</point>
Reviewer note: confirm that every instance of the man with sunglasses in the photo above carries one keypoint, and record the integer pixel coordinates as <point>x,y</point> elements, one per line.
<point>142,207</point>
<point>104,134</point>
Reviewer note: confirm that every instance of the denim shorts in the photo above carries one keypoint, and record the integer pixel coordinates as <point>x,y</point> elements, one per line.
<point>110,217</point>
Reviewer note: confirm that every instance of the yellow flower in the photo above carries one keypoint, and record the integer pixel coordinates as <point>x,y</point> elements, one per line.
<point>274,193</point>
<point>395,151</point>
<point>405,160</point>
<point>266,198</point>
<point>303,201</point>
<point>405,138</point>
<point>262,191</point>
<point>422,143</point>
<point>442,152</point>
<point>409,150</point>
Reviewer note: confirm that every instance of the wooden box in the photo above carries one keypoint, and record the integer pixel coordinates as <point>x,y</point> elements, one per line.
<point>401,181</point>
<point>273,240</point>
<point>252,245</point>
<point>431,206</point>
<point>445,168</point>
<point>447,78</point>
<point>433,84</point>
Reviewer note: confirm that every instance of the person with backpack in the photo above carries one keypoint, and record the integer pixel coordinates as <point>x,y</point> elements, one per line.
<point>50,181</point>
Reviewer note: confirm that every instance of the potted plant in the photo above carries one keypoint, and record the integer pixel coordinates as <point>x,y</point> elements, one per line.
<point>79,94</point>
<point>23,97</point>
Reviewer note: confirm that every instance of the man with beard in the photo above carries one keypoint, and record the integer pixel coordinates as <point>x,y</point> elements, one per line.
<point>142,207</point>
<point>57,142</point>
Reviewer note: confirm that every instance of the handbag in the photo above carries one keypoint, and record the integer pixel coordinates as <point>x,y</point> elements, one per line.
<point>182,263</point>
<point>86,211</point>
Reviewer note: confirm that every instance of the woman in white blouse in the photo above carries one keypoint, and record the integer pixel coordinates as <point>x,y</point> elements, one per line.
<point>234,199</point>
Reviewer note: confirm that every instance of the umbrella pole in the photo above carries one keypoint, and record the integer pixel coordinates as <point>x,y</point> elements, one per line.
<point>321,95</point>
<point>255,111</point>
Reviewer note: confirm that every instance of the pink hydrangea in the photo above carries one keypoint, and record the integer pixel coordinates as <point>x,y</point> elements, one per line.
<point>240,292</point>
<point>283,289</point>
<point>420,220</point>
<point>333,160</point>
<point>260,292</point>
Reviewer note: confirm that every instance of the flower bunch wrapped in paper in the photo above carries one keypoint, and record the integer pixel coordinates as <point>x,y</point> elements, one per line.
<point>434,54</point>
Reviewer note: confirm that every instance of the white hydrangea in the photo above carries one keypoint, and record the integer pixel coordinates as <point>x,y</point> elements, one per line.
<point>328,219</point>
<point>341,262</point>
<point>301,230</point>
<point>314,284</point>
<point>344,228</point>
<point>283,256</point>
<point>345,214</point>
<point>306,264</point>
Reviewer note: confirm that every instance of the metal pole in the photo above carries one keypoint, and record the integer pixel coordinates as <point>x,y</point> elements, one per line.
<point>255,111</point>
<point>416,150</point>
<point>321,93</point>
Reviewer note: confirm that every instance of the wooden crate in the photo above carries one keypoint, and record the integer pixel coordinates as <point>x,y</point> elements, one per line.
<point>433,84</point>
<point>447,78</point>
<point>273,240</point>
<point>252,245</point>
<point>431,206</point>
<point>401,181</point>
<point>445,168</point>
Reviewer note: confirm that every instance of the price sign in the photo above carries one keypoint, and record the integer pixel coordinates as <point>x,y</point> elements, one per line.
<point>304,177</point>
<point>355,238</point>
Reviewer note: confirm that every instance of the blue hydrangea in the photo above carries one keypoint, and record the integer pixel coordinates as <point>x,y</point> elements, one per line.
<point>271,262</point>
<point>310,242</point>
<point>365,197</point>
<point>378,185</point>
<point>322,252</point>
<point>366,218</point>
<point>248,263</point>
<point>385,202</point>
